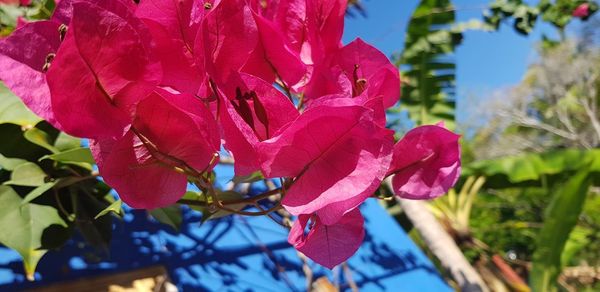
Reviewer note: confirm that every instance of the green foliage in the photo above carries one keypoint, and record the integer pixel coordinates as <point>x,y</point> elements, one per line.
<point>428,77</point>
<point>525,15</point>
<point>12,110</point>
<point>115,208</point>
<point>170,216</point>
<point>205,203</point>
<point>428,81</point>
<point>560,219</point>
<point>533,168</point>
<point>253,177</point>
<point>27,174</point>
<point>37,10</point>
<point>23,227</point>
<point>47,188</point>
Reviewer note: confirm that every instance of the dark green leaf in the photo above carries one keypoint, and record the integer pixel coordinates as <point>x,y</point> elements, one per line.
<point>27,174</point>
<point>14,145</point>
<point>66,142</point>
<point>560,219</point>
<point>96,232</point>
<point>12,110</point>
<point>115,208</point>
<point>253,177</point>
<point>40,138</point>
<point>10,163</point>
<point>22,226</point>
<point>38,191</point>
<point>72,156</point>
<point>169,215</point>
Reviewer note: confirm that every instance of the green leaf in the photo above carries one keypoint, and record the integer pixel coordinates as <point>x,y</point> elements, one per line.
<point>72,156</point>
<point>206,201</point>
<point>429,40</point>
<point>27,174</point>
<point>13,111</point>
<point>66,142</point>
<point>224,197</point>
<point>511,170</point>
<point>38,191</point>
<point>23,226</point>
<point>10,163</point>
<point>253,177</point>
<point>40,138</point>
<point>14,145</point>
<point>97,232</point>
<point>560,218</point>
<point>115,208</point>
<point>169,215</point>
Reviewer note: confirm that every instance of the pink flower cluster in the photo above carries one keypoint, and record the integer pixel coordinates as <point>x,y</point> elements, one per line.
<point>582,11</point>
<point>157,86</point>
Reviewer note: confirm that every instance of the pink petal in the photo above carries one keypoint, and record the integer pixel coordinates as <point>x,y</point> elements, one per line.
<point>326,78</point>
<point>364,64</point>
<point>200,9</point>
<point>143,181</point>
<point>229,36</point>
<point>175,34</point>
<point>21,22</point>
<point>243,133</point>
<point>22,58</point>
<point>291,18</point>
<point>336,153</point>
<point>328,17</point>
<point>102,69</point>
<point>139,180</point>
<point>328,245</point>
<point>64,8</point>
<point>374,103</point>
<point>426,163</point>
<point>279,57</point>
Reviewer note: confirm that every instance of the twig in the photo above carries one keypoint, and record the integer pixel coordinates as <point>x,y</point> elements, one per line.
<point>348,276</point>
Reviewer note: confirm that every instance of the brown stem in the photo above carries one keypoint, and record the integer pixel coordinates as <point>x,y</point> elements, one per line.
<point>247,213</point>
<point>348,276</point>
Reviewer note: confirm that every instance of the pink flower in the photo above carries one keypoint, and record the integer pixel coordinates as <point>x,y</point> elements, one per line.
<point>252,110</point>
<point>582,11</point>
<point>24,56</point>
<point>369,71</point>
<point>357,69</point>
<point>328,245</point>
<point>338,156</point>
<point>110,66</point>
<point>426,163</point>
<point>145,177</point>
<point>15,2</point>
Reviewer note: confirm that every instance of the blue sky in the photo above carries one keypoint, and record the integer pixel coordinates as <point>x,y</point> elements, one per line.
<point>485,61</point>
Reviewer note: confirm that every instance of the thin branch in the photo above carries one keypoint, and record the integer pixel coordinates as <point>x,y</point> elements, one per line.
<point>592,116</point>
<point>348,276</point>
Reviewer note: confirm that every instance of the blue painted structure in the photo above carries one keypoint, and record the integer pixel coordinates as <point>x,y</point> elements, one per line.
<point>234,254</point>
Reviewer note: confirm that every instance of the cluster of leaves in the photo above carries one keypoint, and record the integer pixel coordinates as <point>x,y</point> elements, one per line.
<point>14,13</point>
<point>428,70</point>
<point>48,187</point>
<point>524,15</point>
<point>542,200</point>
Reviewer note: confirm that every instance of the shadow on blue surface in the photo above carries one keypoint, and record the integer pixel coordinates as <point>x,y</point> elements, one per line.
<point>233,254</point>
